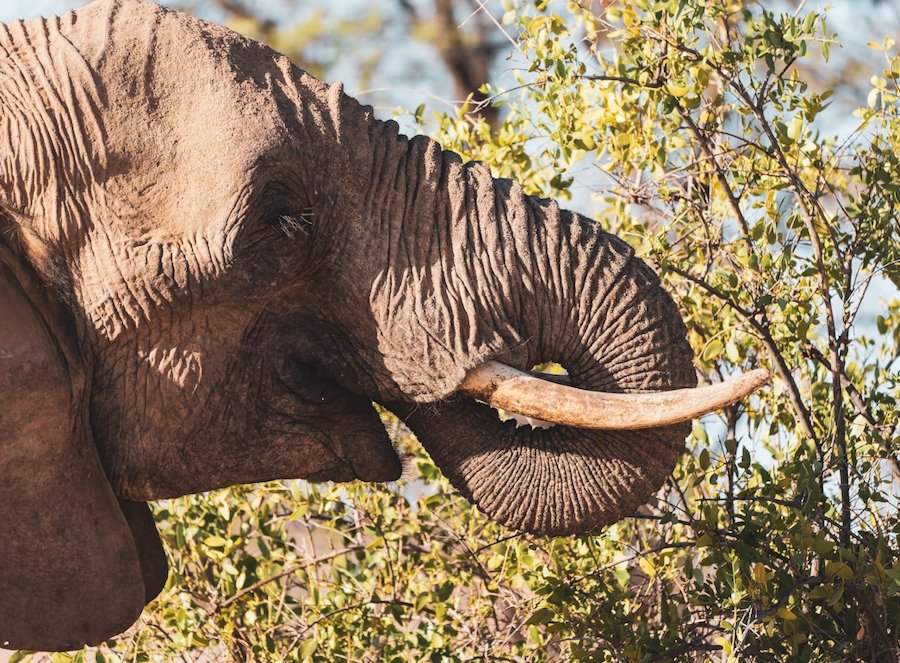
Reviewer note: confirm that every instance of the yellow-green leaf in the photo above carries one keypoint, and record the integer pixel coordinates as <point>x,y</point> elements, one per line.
<point>795,128</point>
<point>712,350</point>
<point>786,614</point>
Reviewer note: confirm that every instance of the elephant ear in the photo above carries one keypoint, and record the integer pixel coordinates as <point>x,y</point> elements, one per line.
<point>154,567</point>
<point>70,563</point>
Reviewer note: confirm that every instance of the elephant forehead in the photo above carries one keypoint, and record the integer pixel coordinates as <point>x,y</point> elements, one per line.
<point>190,111</point>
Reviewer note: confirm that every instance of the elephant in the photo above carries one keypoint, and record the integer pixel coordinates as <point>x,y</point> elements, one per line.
<point>212,264</point>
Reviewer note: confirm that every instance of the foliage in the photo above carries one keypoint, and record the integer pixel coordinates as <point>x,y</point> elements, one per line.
<point>777,536</point>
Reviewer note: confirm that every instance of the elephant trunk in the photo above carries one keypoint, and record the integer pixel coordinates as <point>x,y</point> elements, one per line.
<point>461,270</point>
<point>556,289</point>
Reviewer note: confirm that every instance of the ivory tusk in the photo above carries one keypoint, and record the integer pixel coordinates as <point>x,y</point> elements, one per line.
<point>509,389</point>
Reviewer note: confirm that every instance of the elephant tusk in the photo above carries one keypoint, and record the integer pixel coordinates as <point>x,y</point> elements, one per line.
<point>509,389</point>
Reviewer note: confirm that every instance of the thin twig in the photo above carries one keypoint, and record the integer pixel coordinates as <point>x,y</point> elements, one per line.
<point>287,572</point>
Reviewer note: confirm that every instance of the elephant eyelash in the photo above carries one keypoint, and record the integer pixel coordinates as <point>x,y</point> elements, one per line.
<point>294,224</point>
<point>10,210</point>
<point>12,217</point>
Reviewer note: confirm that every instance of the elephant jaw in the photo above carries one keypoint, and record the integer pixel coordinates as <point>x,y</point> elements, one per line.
<point>509,389</point>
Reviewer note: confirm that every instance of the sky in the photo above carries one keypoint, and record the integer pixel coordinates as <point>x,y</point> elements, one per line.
<point>23,9</point>
<point>13,9</point>
<point>404,68</point>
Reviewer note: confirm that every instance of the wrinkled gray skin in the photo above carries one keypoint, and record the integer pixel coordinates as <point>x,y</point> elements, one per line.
<point>210,265</point>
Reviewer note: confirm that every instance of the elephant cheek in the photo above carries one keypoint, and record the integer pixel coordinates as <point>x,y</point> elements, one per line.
<point>329,435</point>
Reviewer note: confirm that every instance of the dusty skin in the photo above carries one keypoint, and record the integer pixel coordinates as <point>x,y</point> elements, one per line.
<point>211,264</point>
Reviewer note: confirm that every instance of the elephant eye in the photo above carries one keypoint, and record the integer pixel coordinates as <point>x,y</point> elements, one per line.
<point>280,206</point>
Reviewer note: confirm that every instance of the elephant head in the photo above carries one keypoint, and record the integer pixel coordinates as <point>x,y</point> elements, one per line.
<point>212,263</point>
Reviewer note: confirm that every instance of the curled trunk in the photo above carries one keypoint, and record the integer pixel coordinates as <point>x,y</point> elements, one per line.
<point>443,268</point>
<point>570,293</point>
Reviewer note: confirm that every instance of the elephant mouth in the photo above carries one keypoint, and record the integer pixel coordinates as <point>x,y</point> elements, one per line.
<point>354,442</point>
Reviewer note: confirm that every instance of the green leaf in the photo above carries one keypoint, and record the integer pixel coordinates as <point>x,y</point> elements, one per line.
<point>835,597</point>
<point>444,591</point>
<point>540,616</point>
<point>307,648</point>
<point>422,600</point>
<point>19,656</point>
<point>704,459</point>
<point>712,350</point>
<point>730,445</point>
<point>840,569</point>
